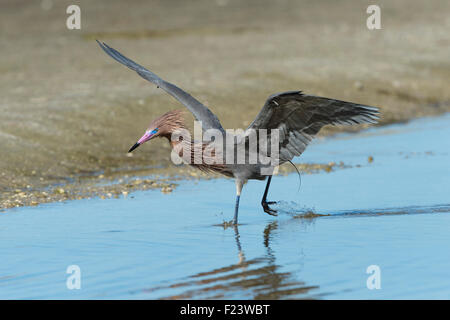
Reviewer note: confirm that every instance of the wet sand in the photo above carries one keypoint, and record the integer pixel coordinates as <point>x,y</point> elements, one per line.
<point>69,112</point>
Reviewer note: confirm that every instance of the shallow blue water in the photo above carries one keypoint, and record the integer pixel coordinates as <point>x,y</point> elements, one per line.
<point>393,213</point>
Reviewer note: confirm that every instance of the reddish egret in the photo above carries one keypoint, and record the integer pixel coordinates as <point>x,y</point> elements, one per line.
<point>295,116</point>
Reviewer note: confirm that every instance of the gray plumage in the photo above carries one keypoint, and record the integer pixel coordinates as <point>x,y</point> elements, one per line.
<point>297,117</point>
<point>201,113</point>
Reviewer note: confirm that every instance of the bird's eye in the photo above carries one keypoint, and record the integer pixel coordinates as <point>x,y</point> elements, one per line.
<point>154,131</point>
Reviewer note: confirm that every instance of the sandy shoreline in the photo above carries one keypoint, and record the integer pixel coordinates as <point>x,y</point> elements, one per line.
<point>69,112</point>
<point>124,184</point>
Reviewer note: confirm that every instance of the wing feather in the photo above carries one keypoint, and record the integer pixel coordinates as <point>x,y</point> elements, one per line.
<point>201,113</point>
<point>299,117</point>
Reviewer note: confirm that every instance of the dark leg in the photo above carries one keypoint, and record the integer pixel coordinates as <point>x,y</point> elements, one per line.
<point>239,185</point>
<point>236,209</point>
<point>264,202</point>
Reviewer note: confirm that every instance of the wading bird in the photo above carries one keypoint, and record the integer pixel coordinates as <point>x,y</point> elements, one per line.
<point>294,116</point>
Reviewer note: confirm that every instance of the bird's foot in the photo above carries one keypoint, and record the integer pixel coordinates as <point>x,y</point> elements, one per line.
<point>267,209</point>
<point>229,224</point>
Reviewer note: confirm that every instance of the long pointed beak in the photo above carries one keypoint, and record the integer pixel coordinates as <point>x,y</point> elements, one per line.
<point>137,144</point>
<point>147,136</point>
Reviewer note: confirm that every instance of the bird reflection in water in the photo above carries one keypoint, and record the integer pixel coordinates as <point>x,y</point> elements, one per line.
<point>257,278</point>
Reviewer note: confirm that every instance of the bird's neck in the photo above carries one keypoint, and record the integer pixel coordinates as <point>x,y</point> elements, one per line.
<point>193,153</point>
<point>177,137</point>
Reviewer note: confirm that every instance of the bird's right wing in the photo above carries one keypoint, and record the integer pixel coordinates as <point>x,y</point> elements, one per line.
<point>299,117</point>
<point>201,113</point>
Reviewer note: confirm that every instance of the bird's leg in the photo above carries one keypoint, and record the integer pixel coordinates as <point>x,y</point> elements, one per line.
<point>265,203</point>
<point>239,184</point>
<point>236,210</point>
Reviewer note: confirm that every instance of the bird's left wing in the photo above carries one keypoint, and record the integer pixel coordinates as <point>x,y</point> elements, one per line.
<point>201,113</point>
<point>299,117</point>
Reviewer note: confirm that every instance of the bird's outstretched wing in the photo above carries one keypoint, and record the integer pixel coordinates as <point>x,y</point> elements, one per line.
<point>299,117</point>
<point>201,113</point>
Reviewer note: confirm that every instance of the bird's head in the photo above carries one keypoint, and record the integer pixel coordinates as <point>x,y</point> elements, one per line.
<point>163,126</point>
